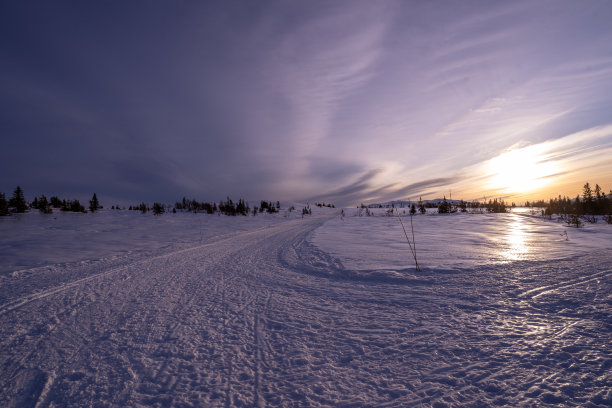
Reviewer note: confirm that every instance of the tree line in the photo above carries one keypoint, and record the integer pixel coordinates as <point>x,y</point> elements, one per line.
<point>492,206</point>
<point>444,206</point>
<point>18,204</point>
<point>227,207</point>
<point>593,203</point>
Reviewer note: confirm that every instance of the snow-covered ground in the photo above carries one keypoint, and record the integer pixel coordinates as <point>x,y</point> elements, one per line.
<point>460,240</point>
<point>120,309</point>
<point>36,239</point>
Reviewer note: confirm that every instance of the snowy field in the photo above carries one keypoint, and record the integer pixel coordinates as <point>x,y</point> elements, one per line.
<point>123,309</point>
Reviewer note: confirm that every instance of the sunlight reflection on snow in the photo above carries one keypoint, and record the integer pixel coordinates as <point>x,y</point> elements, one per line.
<point>515,236</point>
<point>461,240</point>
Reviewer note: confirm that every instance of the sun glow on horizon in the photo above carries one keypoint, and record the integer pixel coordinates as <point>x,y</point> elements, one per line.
<point>521,170</point>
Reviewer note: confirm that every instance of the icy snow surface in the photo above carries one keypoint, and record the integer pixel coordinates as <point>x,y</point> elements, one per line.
<point>123,309</point>
<point>461,240</point>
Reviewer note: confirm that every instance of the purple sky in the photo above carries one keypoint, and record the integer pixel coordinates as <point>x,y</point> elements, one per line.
<point>341,101</point>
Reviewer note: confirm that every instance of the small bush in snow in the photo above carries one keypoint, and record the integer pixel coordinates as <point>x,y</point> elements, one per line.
<point>4,209</point>
<point>574,221</point>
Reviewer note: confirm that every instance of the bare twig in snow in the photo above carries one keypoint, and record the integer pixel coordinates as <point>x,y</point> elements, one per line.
<point>412,247</point>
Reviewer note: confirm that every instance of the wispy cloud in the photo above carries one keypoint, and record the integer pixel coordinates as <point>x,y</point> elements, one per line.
<point>353,100</point>
<point>319,64</point>
<point>355,190</point>
<point>367,189</point>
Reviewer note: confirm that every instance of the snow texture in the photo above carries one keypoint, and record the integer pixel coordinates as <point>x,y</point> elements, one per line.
<point>141,311</point>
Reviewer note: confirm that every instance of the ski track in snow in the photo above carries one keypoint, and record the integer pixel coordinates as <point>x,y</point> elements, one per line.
<point>265,318</point>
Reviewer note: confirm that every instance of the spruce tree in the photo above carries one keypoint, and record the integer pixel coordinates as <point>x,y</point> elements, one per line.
<point>422,209</point>
<point>18,202</point>
<point>158,209</point>
<point>444,207</point>
<point>599,201</point>
<point>587,194</point>
<point>55,202</point>
<point>94,204</point>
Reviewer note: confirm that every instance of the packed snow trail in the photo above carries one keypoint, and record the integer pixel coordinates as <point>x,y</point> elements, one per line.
<point>264,318</point>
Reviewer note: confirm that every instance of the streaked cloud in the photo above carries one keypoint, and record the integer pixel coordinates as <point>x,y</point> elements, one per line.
<point>353,101</point>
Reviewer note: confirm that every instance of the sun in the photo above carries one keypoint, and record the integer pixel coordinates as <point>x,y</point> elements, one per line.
<point>520,170</point>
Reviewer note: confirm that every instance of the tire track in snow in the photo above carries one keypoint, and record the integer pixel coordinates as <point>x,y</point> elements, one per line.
<point>139,343</point>
<point>258,339</point>
<point>544,290</point>
<point>257,402</point>
<point>21,301</point>
<point>47,387</point>
<point>146,330</point>
<point>227,364</point>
